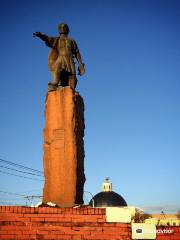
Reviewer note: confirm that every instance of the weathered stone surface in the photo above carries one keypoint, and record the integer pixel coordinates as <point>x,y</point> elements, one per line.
<point>64,148</point>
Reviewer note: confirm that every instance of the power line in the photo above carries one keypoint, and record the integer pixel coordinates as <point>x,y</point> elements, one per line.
<point>10,199</point>
<point>20,197</point>
<point>20,176</point>
<point>20,166</point>
<point>11,193</point>
<point>20,171</point>
<point>33,196</point>
<point>32,190</point>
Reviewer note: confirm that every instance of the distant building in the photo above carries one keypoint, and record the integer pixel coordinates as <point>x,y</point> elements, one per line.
<point>107,197</point>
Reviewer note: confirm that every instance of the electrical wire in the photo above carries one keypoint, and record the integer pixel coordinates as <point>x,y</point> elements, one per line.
<point>23,170</point>
<point>34,174</point>
<point>4,172</point>
<point>11,193</point>
<point>16,200</point>
<point>20,166</point>
<point>10,199</point>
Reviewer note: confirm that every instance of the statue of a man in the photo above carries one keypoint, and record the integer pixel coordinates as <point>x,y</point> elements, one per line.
<point>61,58</point>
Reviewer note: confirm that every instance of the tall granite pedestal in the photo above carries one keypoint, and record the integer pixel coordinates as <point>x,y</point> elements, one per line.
<point>64,148</point>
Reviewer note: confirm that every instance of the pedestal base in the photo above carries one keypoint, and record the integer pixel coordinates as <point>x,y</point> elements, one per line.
<point>64,148</point>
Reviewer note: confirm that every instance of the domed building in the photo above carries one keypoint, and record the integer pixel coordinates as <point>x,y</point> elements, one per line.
<point>107,198</point>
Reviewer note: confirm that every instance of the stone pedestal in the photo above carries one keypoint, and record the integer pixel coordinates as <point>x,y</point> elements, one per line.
<point>64,148</point>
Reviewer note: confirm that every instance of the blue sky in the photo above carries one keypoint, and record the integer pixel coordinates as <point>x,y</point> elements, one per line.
<point>131,91</point>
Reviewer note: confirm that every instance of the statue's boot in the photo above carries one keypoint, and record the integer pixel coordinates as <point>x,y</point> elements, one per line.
<point>52,86</point>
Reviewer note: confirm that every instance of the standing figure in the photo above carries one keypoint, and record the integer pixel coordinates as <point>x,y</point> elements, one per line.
<point>61,58</point>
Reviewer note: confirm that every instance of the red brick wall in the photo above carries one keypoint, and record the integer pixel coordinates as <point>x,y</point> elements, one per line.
<point>66,223</point>
<point>174,233</point>
<point>59,223</point>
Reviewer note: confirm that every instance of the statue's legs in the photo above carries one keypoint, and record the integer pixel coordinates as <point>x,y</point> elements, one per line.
<point>63,78</point>
<point>55,79</point>
<point>56,76</point>
<point>72,81</point>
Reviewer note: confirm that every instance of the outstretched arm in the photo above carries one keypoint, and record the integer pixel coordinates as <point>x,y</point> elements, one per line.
<point>50,41</point>
<point>41,36</point>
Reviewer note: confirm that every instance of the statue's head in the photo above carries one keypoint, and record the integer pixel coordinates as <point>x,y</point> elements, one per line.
<point>63,28</point>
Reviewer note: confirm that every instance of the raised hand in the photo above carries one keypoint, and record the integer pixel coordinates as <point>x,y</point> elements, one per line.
<point>81,69</point>
<point>37,34</point>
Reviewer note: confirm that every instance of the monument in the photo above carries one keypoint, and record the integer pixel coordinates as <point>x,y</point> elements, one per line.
<point>64,123</point>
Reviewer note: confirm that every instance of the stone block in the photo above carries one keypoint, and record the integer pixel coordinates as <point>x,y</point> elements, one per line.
<point>64,148</point>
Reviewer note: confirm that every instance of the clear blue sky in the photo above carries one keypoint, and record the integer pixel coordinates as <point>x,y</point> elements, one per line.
<point>131,91</point>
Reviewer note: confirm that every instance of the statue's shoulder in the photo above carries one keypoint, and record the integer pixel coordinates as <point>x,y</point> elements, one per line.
<point>71,39</point>
<point>73,42</point>
<point>56,39</point>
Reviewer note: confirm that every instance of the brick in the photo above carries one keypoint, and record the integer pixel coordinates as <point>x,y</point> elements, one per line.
<point>90,211</point>
<point>7,209</point>
<point>11,209</point>
<point>122,233</point>
<point>93,220</point>
<point>101,236</point>
<point>8,228</point>
<point>64,237</point>
<point>8,214</point>
<point>15,209</point>
<point>74,210</point>
<point>53,219</point>
<point>103,211</point>
<point>14,231</point>
<point>53,236</point>
<point>13,219</point>
<point>78,228</point>
<point>32,210</point>
<point>20,228</point>
<point>59,210</point>
<point>57,228</point>
<point>3,232</point>
<point>82,232</point>
<point>30,215</point>
<point>96,211</point>
<point>27,210</point>
<point>175,237</point>
<point>29,231</point>
<point>101,220</point>
<point>57,232</point>
<point>77,237</point>
<point>92,228</point>
<point>37,219</point>
<point>19,210</point>
<point>58,215</point>
<point>176,229</point>
<point>55,210</point>
<point>3,209</point>
<point>70,210</point>
<point>23,210</point>
<point>7,237</point>
<point>23,237</point>
<point>98,237</point>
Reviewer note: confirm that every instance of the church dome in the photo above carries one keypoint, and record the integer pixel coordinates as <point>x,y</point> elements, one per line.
<point>107,198</point>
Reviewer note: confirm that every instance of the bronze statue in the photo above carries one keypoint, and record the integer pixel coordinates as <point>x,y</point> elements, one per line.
<point>61,58</point>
